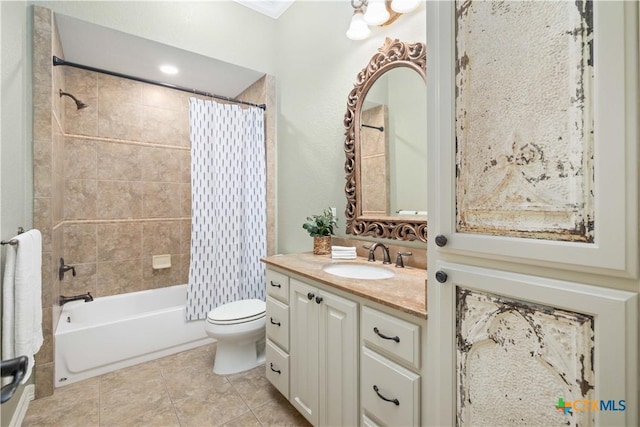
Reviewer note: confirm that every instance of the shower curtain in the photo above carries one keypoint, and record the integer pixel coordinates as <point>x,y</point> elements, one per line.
<point>228,206</point>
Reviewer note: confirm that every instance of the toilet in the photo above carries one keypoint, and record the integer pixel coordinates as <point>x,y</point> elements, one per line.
<point>239,328</point>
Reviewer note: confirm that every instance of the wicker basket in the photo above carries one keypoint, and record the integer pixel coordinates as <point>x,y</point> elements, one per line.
<point>322,245</point>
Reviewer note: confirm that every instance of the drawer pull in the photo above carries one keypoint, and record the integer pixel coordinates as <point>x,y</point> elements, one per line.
<point>274,323</point>
<point>377,331</point>
<point>275,285</point>
<point>275,370</point>
<point>375,388</point>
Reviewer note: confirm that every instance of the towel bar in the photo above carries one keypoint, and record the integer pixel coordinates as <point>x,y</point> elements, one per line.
<point>12,242</point>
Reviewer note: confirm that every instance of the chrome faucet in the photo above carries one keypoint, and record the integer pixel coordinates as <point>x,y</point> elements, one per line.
<point>86,297</point>
<point>385,253</point>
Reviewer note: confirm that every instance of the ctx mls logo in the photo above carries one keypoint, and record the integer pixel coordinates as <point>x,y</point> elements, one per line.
<point>590,405</point>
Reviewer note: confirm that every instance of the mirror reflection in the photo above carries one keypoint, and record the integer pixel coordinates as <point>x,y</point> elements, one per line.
<point>393,149</point>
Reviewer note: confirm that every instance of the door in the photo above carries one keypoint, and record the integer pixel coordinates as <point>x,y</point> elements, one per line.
<point>304,349</point>
<point>338,370</point>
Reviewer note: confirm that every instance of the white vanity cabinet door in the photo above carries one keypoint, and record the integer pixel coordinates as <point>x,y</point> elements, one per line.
<point>278,322</point>
<point>304,350</point>
<point>338,329</point>
<point>324,356</point>
<point>382,379</point>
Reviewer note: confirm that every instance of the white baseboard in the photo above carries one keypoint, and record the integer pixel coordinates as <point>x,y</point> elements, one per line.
<point>23,404</point>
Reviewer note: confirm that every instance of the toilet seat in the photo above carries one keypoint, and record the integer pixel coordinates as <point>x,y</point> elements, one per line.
<point>237,312</point>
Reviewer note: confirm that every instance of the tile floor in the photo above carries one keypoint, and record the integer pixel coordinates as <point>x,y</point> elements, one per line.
<point>178,390</point>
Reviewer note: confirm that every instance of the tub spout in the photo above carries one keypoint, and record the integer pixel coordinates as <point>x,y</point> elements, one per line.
<point>86,297</point>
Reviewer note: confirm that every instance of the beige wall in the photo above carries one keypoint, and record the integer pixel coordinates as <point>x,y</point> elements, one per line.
<point>317,67</point>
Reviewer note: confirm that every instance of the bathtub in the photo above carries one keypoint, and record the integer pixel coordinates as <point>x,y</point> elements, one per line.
<point>117,331</point>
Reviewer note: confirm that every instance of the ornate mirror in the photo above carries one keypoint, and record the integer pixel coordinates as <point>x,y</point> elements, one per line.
<point>386,145</point>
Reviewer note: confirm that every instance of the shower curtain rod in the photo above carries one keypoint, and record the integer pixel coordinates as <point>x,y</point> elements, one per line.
<point>59,61</point>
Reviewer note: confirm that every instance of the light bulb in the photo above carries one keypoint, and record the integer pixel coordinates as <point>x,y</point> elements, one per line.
<point>404,6</point>
<point>376,13</point>
<point>358,29</point>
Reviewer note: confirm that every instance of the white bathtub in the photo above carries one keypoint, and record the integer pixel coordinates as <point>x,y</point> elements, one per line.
<point>117,331</point>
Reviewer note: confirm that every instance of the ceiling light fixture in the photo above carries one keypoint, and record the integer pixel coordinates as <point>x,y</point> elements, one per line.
<point>168,69</point>
<point>376,13</point>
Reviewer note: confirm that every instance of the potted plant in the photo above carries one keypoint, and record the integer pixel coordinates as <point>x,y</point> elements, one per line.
<point>320,227</point>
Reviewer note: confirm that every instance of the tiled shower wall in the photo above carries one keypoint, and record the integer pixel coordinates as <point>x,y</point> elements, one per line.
<point>112,181</point>
<point>127,192</point>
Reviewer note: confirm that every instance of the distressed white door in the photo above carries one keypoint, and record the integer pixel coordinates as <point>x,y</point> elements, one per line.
<point>534,140</point>
<point>502,202</point>
<point>524,343</point>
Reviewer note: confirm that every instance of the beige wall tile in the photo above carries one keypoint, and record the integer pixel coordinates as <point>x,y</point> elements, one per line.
<point>119,241</point>
<point>185,200</point>
<point>80,159</point>
<point>42,168</point>
<point>119,161</point>
<point>119,199</point>
<point>119,277</point>
<point>161,97</point>
<point>185,165</point>
<point>42,118</point>
<point>160,165</point>
<point>44,380</point>
<point>161,237</point>
<point>116,89</point>
<point>42,220</point>
<point>185,236</point>
<point>80,199</point>
<point>161,278</point>
<point>80,243</point>
<point>84,281</point>
<point>84,86</point>
<point>46,279</point>
<point>45,354</point>
<point>164,126</point>
<point>161,200</point>
<point>120,120</point>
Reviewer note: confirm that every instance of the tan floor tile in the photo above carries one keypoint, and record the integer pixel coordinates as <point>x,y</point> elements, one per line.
<point>254,387</point>
<point>279,413</point>
<point>179,390</point>
<point>216,408</point>
<point>246,420</point>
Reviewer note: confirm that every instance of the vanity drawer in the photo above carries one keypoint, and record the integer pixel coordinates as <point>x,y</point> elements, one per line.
<point>277,368</point>
<point>278,285</point>
<point>391,335</point>
<point>382,379</point>
<point>278,322</point>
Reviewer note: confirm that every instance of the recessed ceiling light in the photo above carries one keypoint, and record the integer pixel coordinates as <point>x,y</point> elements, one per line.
<point>168,69</point>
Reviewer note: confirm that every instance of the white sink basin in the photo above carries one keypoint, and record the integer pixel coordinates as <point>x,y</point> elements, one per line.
<point>358,271</point>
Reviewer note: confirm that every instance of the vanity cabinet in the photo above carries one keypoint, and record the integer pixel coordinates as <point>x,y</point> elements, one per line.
<point>390,392</point>
<point>277,331</point>
<point>324,355</point>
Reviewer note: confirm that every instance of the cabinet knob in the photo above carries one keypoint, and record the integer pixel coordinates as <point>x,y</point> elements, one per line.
<point>441,240</point>
<point>386,399</point>
<point>318,300</point>
<point>441,276</point>
<point>310,295</point>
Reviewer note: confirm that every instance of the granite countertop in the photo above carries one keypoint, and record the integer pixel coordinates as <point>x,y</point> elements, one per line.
<point>405,291</point>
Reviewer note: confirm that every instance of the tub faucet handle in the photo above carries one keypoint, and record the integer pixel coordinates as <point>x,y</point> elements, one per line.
<point>64,268</point>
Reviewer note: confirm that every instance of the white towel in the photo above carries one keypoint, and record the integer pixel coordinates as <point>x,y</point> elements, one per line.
<point>21,299</point>
<point>343,255</point>
<point>343,248</point>
<point>405,212</point>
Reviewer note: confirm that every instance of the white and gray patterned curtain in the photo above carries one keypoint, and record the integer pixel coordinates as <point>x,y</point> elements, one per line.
<point>228,192</point>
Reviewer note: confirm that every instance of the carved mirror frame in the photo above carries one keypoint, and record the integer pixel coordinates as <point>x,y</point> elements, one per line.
<point>393,54</point>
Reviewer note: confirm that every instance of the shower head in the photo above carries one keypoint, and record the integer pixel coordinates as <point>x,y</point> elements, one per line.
<point>79,103</point>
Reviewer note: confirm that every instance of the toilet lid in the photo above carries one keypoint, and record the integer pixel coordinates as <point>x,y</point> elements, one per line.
<point>237,312</point>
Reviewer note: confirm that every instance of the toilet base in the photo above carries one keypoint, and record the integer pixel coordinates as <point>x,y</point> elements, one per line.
<point>233,357</point>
